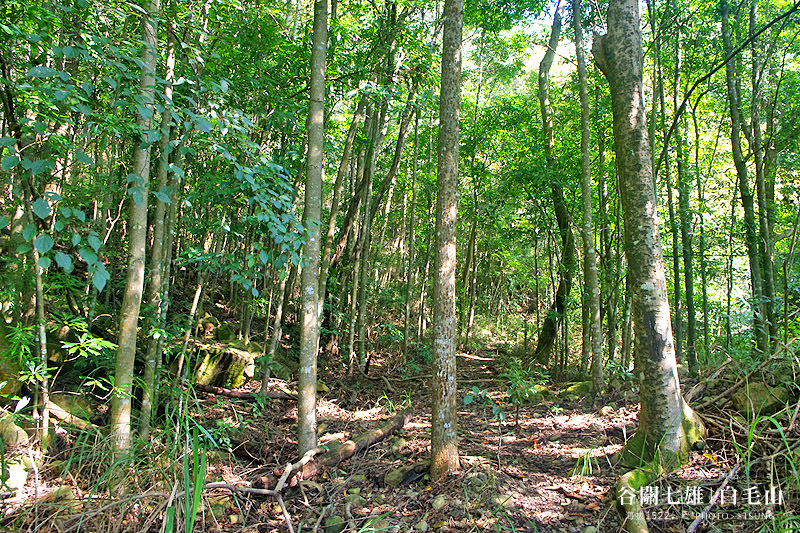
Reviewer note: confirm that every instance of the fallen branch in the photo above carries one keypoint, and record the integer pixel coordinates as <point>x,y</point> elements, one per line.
<point>318,458</point>
<point>219,391</point>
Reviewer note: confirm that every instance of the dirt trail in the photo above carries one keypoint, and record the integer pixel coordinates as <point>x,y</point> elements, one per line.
<point>546,471</point>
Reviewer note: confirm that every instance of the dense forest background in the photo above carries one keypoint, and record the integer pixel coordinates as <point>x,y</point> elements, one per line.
<point>154,228</point>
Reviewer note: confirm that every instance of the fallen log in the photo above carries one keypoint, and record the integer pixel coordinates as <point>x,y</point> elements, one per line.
<point>59,413</point>
<point>230,393</point>
<point>313,462</point>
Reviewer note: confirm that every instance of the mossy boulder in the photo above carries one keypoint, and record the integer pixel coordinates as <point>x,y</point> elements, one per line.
<point>224,366</point>
<point>228,332</point>
<point>759,397</point>
<point>577,390</point>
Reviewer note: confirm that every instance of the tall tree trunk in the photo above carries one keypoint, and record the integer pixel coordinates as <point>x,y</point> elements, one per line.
<point>134,285</point>
<point>412,222</point>
<point>751,236</point>
<point>685,215</point>
<point>312,217</point>
<point>667,425</point>
<point>444,423</point>
<point>558,310</point>
<point>157,250</point>
<point>589,252</point>
<point>766,246</point>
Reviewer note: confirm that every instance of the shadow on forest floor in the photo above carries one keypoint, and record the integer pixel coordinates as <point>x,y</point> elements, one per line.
<point>544,468</point>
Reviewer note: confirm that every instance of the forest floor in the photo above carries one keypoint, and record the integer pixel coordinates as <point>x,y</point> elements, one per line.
<point>544,468</point>
<point>547,467</point>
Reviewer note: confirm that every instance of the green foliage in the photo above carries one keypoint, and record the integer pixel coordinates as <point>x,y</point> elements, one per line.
<point>481,398</point>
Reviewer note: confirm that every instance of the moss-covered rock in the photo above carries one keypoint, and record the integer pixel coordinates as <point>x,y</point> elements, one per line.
<point>577,390</point>
<point>760,398</point>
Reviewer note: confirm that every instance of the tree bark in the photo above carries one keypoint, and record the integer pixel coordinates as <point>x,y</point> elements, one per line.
<point>547,336</point>
<point>685,216</point>
<point>589,251</point>
<point>157,250</point>
<point>667,426</point>
<point>751,236</point>
<point>312,217</point>
<point>444,424</point>
<point>134,286</point>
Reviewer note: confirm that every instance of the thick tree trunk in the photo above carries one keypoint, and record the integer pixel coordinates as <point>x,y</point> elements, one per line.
<point>312,217</point>
<point>134,286</point>
<point>667,426</point>
<point>444,424</point>
<point>590,275</point>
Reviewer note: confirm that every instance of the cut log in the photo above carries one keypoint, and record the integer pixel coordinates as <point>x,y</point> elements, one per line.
<point>230,393</point>
<point>312,464</point>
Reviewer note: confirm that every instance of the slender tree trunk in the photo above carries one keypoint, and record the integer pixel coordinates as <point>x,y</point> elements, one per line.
<point>134,285</point>
<point>412,222</point>
<point>591,276</point>
<point>558,310</point>
<point>157,250</point>
<point>766,246</point>
<point>751,236</point>
<point>667,426</point>
<point>312,217</point>
<point>444,423</point>
<point>685,215</point>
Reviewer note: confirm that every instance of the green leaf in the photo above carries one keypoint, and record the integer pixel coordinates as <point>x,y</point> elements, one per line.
<point>88,88</point>
<point>94,242</point>
<point>24,248</point>
<point>203,124</point>
<point>4,222</point>
<point>41,208</point>
<point>144,111</point>
<point>43,243</point>
<point>76,239</point>
<point>163,195</point>
<point>28,232</point>
<point>87,255</point>
<point>9,162</point>
<point>64,262</point>
<point>44,262</point>
<point>137,193</point>
<point>59,225</point>
<point>100,277</point>
<point>41,71</point>
<point>468,399</point>
<point>7,141</point>
<point>80,215</point>
<point>83,158</point>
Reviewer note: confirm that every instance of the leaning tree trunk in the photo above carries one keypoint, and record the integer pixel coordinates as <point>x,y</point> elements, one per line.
<point>444,435</point>
<point>132,299</point>
<point>547,336</point>
<point>312,216</point>
<point>667,425</point>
